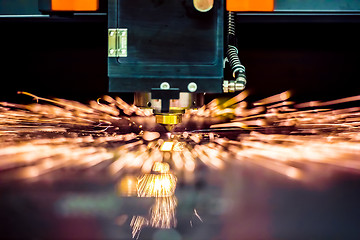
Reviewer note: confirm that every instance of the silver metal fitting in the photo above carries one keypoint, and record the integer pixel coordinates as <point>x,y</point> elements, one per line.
<point>165,85</point>
<point>192,87</point>
<point>230,86</point>
<point>187,100</point>
<point>240,83</point>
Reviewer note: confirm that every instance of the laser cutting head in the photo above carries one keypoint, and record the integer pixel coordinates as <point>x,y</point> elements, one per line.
<point>168,104</point>
<point>170,54</point>
<point>166,53</point>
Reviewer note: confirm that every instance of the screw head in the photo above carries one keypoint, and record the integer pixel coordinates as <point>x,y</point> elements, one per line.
<point>165,85</point>
<point>111,51</point>
<point>192,87</point>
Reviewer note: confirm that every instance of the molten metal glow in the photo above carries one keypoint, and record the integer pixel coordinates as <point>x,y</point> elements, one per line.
<point>157,185</point>
<point>167,146</point>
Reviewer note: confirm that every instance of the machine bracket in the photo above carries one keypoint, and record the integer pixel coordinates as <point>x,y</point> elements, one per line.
<point>117,46</point>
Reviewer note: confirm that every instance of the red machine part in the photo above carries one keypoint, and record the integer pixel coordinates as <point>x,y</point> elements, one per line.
<point>250,5</point>
<point>74,5</point>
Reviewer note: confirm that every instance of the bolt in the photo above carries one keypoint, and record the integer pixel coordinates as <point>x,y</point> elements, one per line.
<point>165,85</point>
<point>192,87</point>
<point>239,86</point>
<point>111,51</point>
<point>240,83</point>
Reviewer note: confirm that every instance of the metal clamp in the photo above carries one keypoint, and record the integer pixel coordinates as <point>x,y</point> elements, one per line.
<point>117,46</point>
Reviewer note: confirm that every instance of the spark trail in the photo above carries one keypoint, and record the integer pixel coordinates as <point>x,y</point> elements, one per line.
<point>302,142</point>
<point>275,133</point>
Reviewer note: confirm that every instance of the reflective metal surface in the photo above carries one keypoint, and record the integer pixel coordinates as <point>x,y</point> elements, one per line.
<point>75,171</point>
<point>238,202</point>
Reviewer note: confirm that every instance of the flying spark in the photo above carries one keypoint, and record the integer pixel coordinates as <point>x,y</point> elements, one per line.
<point>301,142</point>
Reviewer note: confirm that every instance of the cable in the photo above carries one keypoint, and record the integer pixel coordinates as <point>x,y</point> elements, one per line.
<point>237,68</point>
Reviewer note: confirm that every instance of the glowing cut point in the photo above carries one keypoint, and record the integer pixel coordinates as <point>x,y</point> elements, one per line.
<point>167,146</point>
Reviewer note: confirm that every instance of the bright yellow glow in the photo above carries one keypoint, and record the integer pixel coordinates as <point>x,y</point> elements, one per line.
<point>167,146</point>
<point>161,167</point>
<point>318,137</point>
<point>127,186</point>
<point>293,173</point>
<point>157,185</point>
<point>162,213</point>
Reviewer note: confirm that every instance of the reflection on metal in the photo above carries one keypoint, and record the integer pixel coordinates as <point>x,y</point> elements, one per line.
<point>117,42</point>
<point>162,213</point>
<point>159,183</point>
<point>73,204</point>
<point>127,186</point>
<point>168,118</point>
<point>197,215</point>
<point>136,224</point>
<point>305,142</point>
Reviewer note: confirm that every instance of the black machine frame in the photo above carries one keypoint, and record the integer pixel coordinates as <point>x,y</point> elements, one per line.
<point>191,52</point>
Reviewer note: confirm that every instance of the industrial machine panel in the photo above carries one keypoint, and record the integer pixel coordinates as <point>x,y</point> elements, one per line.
<point>164,41</point>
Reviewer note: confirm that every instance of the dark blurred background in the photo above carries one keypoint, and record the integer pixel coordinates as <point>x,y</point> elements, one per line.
<point>316,55</point>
